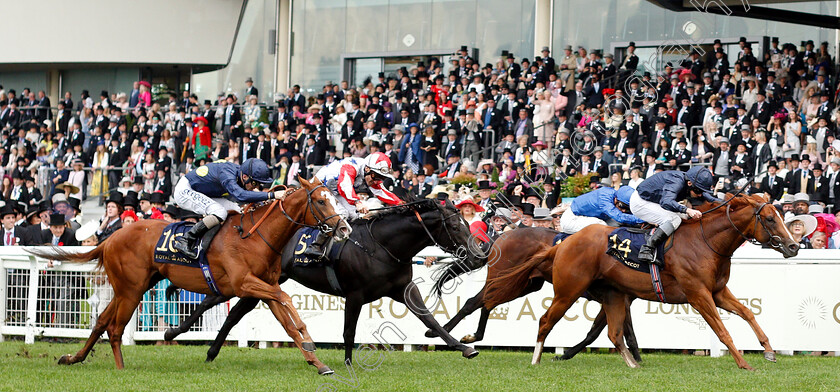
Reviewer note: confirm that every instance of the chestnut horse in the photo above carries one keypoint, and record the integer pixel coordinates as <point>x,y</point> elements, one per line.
<point>241,267</point>
<point>510,250</point>
<point>696,272</point>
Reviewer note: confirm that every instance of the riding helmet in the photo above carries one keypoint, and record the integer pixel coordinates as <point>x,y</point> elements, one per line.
<point>256,170</point>
<point>701,178</point>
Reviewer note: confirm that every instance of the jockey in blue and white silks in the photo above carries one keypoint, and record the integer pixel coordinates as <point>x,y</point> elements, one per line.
<point>597,207</point>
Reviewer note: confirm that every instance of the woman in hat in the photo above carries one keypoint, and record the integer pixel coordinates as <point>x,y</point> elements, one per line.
<point>811,151</point>
<point>800,227</point>
<point>110,222</point>
<point>544,109</point>
<point>101,158</point>
<point>793,132</point>
<point>76,178</point>
<point>430,144</point>
<point>469,210</point>
<point>411,154</point>
<point>202,138</point>
<point>145,98</point>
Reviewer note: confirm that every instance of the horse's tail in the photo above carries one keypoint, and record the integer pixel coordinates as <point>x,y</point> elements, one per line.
<point>172,292</point>
<point>59,254</point>
<point>509,285</point>
<point>453,270</point>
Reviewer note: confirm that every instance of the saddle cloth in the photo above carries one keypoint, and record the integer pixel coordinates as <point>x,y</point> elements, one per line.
<point>624,246</point>
<point>559,238</point>
<point>303,239</point>
<point>165,251</point>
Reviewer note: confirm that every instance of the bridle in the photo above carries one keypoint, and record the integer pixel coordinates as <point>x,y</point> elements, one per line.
<point>774,241</point>
<point>444,219</point>
<point>320,217</point>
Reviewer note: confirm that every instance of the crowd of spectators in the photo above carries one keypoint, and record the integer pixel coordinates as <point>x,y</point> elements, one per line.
<point>512,129</point>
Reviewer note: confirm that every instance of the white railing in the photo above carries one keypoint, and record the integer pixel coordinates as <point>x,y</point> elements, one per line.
<point>796,301</point>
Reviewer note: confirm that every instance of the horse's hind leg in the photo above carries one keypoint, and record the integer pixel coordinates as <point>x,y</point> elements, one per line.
<point>615,307</point>
<point>282,312</point>
<point>122,314</point>
<point>470,306</point>
<point>102,323</point>
<point>208,302</point>
<point>559,305</point>
<point>597,326</point>
<point>630,333</point>
<point>410,296</point>
<point>726,300</point>
<point>242,307</point>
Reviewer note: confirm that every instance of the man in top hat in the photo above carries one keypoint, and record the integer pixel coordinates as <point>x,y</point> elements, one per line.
<point>110,222</point>
<point>422,189</point>
<point>131,201</point>
<point>821,185</point>
<point>548,63</point>
<point>801,179</point>
<point>484,193</point>
<point>801,201</point>
<point>250,89</point>
<point>59,234</point>
<point>834,184</point>
<point>170,213</point>
<point>772,184</point>
<point>12,235</point>
<point>527,219</point>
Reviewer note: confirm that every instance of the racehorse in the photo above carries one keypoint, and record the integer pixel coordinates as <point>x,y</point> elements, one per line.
<point>696,272</point>
<point>374,262</point>
<point>509,251</point>
<point>240,267</point>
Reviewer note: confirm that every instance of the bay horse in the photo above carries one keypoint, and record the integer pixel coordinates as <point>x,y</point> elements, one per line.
<point>375,262</point>
<point>510,250</point>
<point>696,272</point>
<point>241,267</point>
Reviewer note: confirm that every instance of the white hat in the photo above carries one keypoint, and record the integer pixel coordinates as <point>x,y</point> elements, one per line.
<point>809,221</point>
<point>86,231</point>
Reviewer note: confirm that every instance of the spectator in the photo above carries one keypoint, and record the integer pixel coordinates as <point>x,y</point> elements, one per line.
<point>801,226</point>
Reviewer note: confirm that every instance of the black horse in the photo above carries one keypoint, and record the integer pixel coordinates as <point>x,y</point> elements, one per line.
<point>374,262</point>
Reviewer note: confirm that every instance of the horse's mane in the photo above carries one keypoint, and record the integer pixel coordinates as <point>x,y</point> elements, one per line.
<point>412,204</point>
<point>737,202</point>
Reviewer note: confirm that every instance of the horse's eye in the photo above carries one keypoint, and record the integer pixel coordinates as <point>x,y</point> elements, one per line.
<point>321,202</point>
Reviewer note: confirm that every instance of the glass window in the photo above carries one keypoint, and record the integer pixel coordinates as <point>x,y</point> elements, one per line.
<point>365,30</point>
<point>366,68</point>
<point>410,24</point>
<point>453,25</point>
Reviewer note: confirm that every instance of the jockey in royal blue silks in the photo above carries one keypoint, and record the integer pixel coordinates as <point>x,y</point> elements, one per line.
<point>657,201</point>
<point>598,206</point>
<point>213,189</point>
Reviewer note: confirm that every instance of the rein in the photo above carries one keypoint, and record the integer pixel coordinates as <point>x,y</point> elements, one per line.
<point>320,225</point>
<point>422,223</point>
<point>774,241</point>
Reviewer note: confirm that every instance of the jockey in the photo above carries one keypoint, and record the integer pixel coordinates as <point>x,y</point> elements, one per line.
<point>657,201</point>
<point>597,207</point>
<point>204,191</point>
<point>340,177</point>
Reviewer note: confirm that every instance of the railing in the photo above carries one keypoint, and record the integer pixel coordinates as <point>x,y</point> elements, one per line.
<point>794,300</point>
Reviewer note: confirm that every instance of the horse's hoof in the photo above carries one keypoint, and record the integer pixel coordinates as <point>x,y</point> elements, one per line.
<point>65,359</point>
<point>170,334</point>
<point>559,358</point>
<point>430,333</point>
<point>470,353</point>
<point>770,356</point>
<point>325,371</point>
<point>308,346</point>
<point>468,339</point>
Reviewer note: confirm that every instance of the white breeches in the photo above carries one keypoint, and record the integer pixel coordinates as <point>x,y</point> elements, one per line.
<point>189,199</point>
<point>653,212</point>
<point>571,223</point>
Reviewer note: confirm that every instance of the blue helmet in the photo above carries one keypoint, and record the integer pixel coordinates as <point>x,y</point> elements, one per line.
<point>623,194</point>
<point>256,170</point>
<point>701,178</point>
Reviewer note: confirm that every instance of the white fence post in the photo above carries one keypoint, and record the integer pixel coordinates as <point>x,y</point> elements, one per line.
<point>3,296</point>
<point>32,301</point>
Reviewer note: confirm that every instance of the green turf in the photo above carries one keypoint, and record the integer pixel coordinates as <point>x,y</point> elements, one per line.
<point>182,368</point>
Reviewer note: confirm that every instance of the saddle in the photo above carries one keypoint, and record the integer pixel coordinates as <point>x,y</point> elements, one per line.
<point>302,239</point>
<point>624,244</point>
<point>166,253</point>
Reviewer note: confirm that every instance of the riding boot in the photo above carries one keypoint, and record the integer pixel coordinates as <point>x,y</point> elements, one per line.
<point>647,253</point>
<point>186,243</point>
<point>316,249</point>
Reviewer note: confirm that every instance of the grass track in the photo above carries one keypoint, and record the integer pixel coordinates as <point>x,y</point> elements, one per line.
<point>182,368</point>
